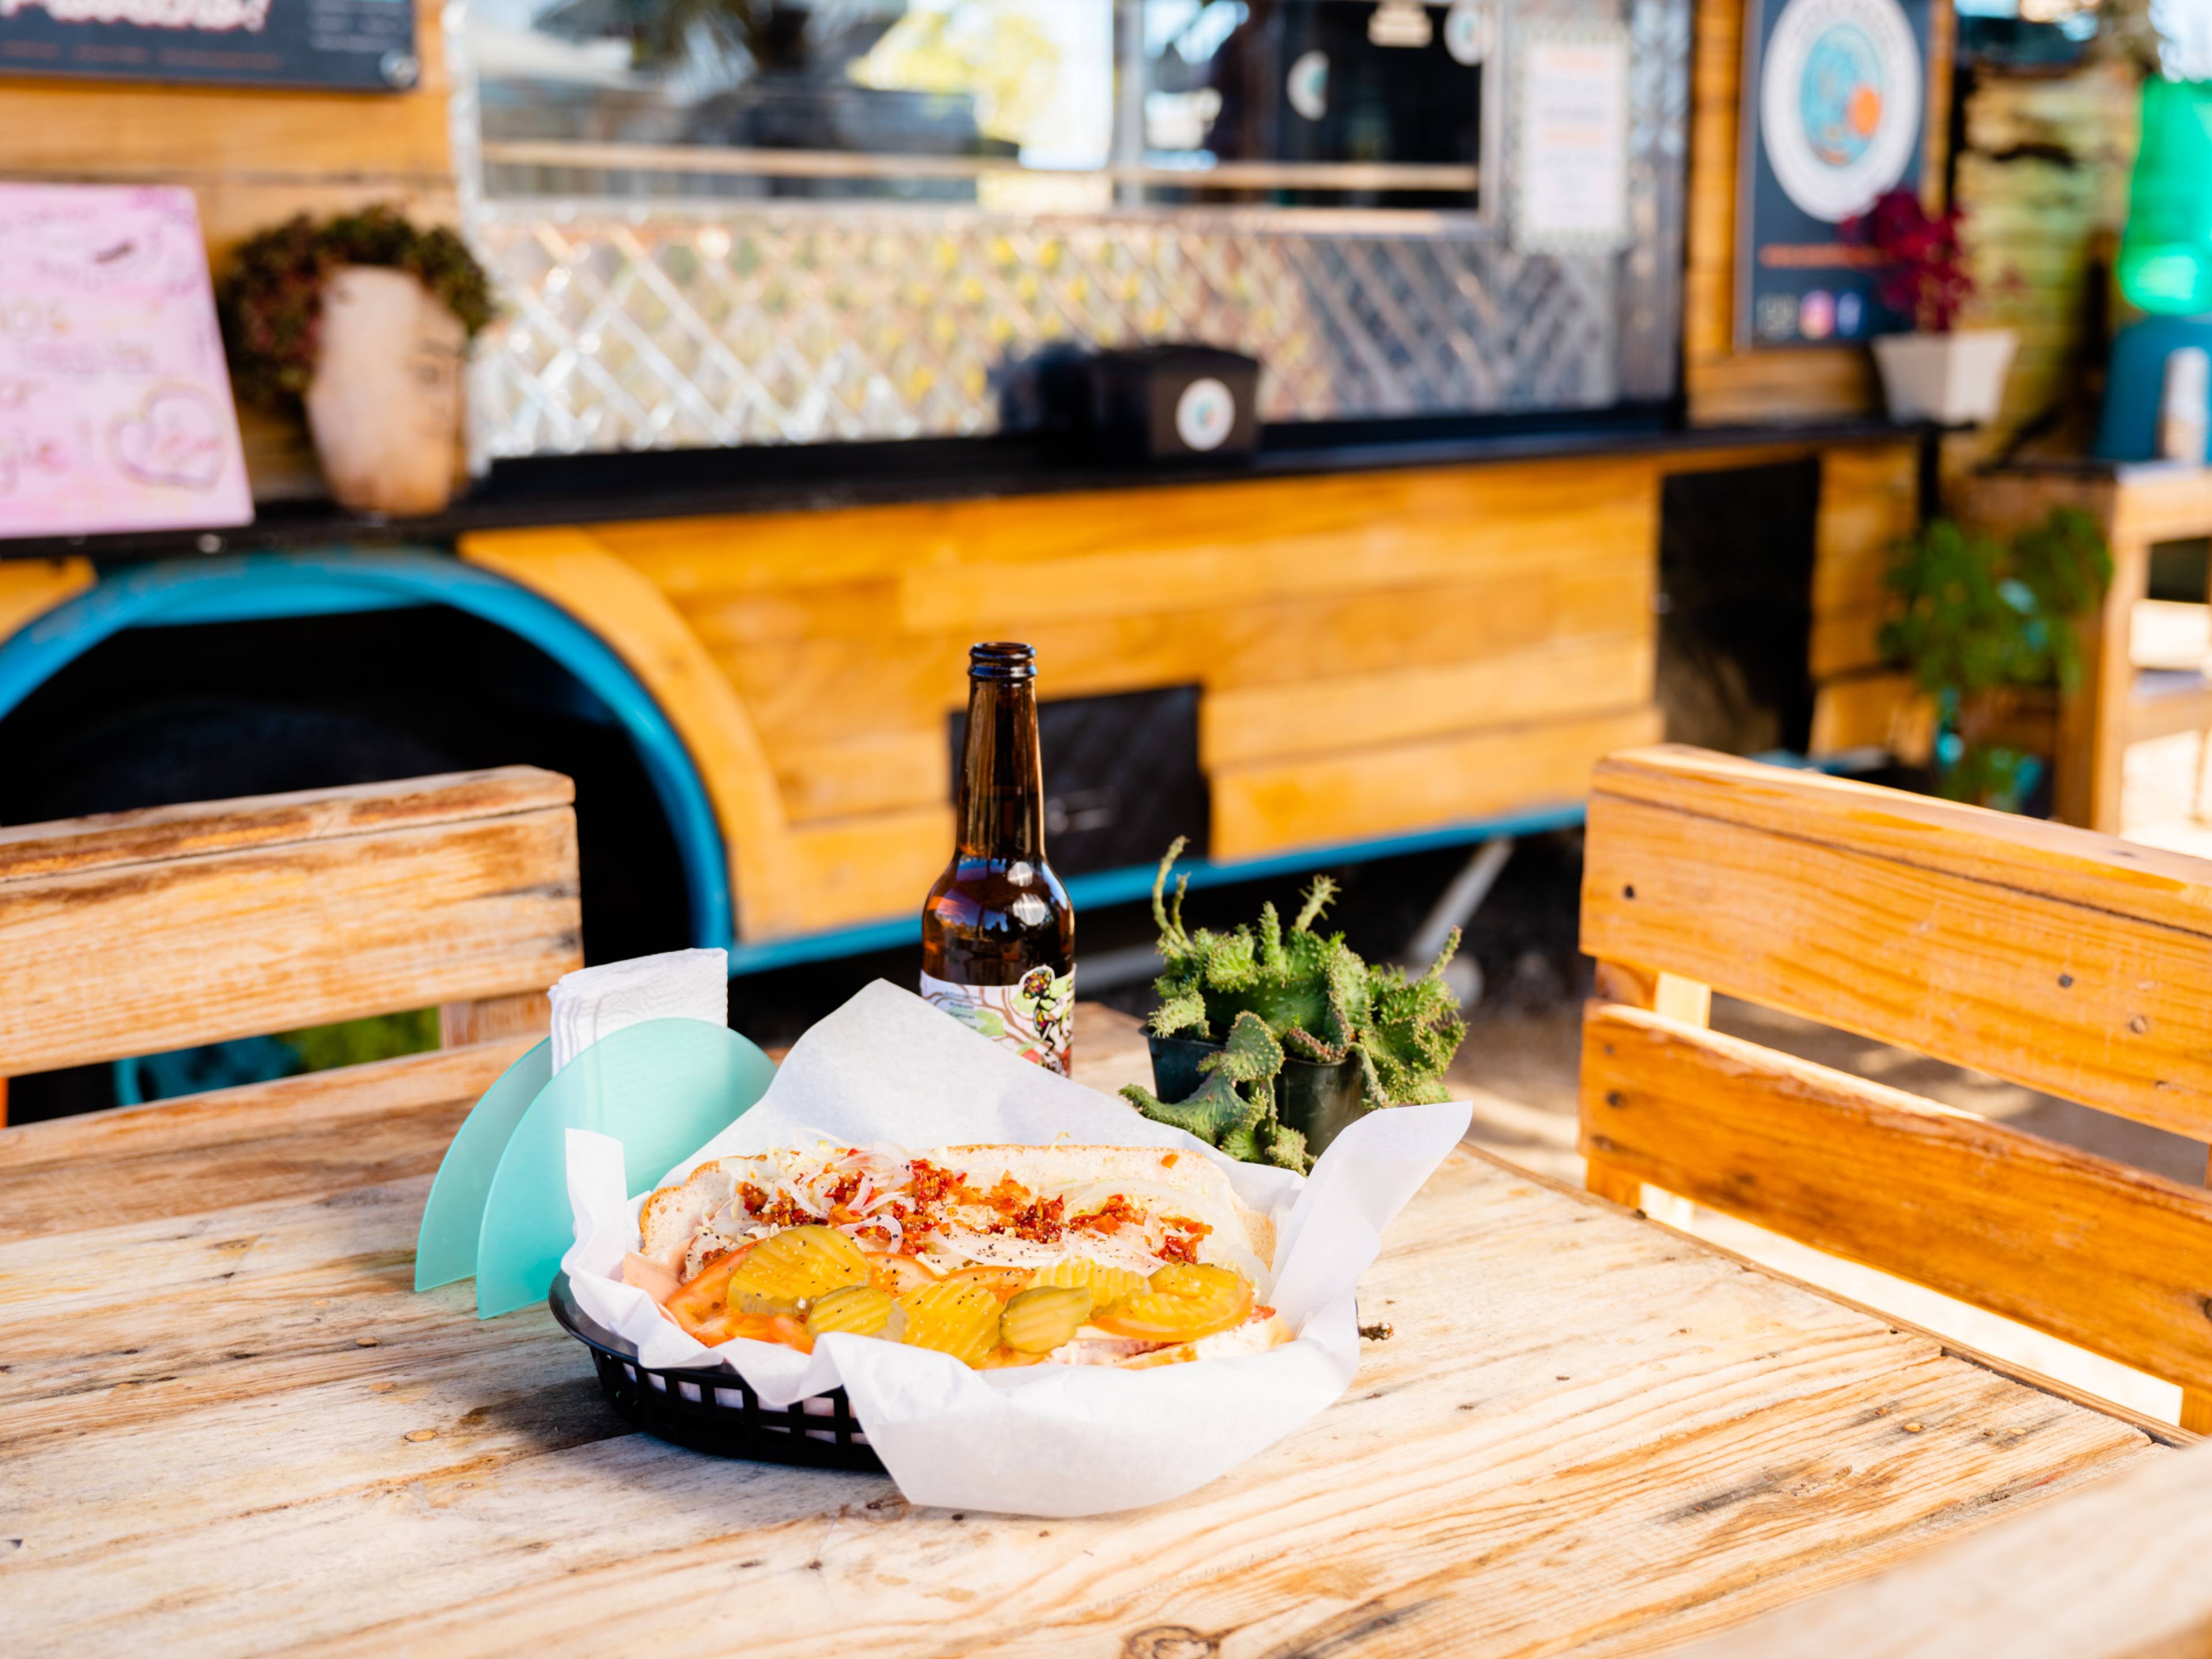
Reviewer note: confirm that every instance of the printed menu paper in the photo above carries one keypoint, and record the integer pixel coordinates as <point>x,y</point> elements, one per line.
<point>115,407</point>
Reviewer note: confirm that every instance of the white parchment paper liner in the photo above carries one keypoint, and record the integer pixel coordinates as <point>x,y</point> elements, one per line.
<point>1046,1440</point>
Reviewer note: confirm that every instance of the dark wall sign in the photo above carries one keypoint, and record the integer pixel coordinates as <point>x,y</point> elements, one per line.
<point>361,46</point>
<point>1835,100</point>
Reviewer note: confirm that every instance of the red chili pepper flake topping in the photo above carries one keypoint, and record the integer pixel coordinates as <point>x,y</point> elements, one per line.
<point>1181,1249</point>
<point>931,1185</point>
<point>783,1210</point>
<point>1039,1221</point>
<point>752,1197</point>
<point>1108,1218</point>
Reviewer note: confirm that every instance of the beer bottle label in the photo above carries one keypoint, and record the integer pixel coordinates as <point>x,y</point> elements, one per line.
<point>1034,1017</point>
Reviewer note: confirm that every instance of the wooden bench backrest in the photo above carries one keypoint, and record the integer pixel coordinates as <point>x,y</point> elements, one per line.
<point>2055,957</point>
<point>137,932</point>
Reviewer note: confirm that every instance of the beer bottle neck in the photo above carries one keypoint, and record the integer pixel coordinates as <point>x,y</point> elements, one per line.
<point>1001,780</point>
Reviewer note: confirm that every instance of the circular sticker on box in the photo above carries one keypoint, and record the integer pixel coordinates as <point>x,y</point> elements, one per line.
<point>1307,87</point>
<point>1470,31</point>
<point>1839,102</point>
<point>1204,413</point>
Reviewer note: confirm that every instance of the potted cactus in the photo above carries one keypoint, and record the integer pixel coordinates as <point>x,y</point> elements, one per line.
<point>1268,1041</point>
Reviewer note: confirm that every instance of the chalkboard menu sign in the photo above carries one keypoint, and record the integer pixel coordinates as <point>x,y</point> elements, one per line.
<point>1834,110</point>
<point>361,46</point>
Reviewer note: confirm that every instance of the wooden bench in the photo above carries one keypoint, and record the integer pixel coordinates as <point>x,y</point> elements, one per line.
<point>2053,958</point>
<point>137,932</point>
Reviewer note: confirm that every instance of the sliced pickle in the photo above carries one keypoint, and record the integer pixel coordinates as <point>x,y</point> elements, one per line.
<point>861,1308</point>
<point>1001,1282</point>
<point>1183,1304</point>
<point>1044,1317</point>
<point>1107,1285</point>
<point>786,1271</point>
<point>1201,1278</point>
<point>956,1316</point>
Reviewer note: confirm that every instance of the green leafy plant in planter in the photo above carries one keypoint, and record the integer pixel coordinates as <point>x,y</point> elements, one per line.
<point>1270,995</point>
<point>1987,629</point>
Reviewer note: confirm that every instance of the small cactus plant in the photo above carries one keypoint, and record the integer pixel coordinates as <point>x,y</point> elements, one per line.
<point>1268,993</point>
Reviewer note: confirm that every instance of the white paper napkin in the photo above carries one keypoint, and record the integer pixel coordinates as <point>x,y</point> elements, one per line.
<point>1047,1440</point>
<point>596,1002</point>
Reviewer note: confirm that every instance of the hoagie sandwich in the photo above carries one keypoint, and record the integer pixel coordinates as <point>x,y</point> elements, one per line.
<point>1000,1255</point>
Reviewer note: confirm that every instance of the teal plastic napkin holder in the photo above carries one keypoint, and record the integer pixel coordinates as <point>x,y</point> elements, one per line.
<point>499,1206</point>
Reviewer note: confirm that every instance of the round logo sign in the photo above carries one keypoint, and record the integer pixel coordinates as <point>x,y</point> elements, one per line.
<point>1839,102</point>
<point>1204,413</point>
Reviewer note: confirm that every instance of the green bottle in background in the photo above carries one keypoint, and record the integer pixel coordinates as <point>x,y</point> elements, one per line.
<point>2165,265</point>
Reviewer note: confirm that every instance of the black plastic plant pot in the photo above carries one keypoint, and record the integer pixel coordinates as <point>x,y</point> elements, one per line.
<point>1316,1100</point>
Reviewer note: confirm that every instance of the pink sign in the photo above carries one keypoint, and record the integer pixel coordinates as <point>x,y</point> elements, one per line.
<point>115,411</point>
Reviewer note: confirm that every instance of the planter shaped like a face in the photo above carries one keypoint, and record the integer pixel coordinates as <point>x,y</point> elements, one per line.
<point>384,405</point>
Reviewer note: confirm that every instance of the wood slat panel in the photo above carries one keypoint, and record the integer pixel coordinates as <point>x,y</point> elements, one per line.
<point>865,869</point>
<point>2092,1251</point>
<point>2113,1572</point>
<point>837,684</point>
<point>138,958</point>
<point>151,834</point>
<point>1845,641</point>
<point>870,772</point>
<point>2056,958</point>
<point>1341,540</point>
<point>1560,678</point>
<point>1878,710</point>
<point>1169,531</point>
<point>1869,497</point>
<point>1373,791</point>
<point>297,1138</point>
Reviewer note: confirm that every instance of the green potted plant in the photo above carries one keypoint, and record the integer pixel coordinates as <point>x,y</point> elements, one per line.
<point>1268,1041</point>
<point>364,321</point>
<point>1988,630</point>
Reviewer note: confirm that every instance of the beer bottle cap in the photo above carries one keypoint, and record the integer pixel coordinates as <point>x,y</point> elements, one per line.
<point>1001,660</point>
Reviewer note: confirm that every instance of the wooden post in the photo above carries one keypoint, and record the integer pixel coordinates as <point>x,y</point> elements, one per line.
<point>2196,1403</point>
<point>1688,1001</point>
<point>2109,685</point>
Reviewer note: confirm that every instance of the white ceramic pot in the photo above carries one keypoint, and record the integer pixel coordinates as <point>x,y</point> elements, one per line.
<point>1953,380</point>
<point>385,406</point>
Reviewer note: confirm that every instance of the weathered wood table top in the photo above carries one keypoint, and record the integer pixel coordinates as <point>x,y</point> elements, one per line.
<point>228,1425</point>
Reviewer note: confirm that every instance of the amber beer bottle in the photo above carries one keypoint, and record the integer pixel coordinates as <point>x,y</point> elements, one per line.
<point>997,935</point>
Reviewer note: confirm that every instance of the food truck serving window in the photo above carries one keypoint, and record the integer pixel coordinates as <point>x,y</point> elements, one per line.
<point>744,221</point>
<point>1021,105</point>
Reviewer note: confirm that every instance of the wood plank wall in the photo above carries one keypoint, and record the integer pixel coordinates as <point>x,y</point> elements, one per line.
<point>1379,652</point>
<point>2043,176</point>
<point>252,158</point>
<point>1724,386</point>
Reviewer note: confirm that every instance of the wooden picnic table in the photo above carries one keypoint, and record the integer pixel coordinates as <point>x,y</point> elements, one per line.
<point>228,1425</point>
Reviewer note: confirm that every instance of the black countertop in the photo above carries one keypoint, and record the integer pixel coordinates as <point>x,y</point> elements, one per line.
<point>556,489</point>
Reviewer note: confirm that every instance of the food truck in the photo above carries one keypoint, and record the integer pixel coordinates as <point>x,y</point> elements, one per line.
<point>772,423</point>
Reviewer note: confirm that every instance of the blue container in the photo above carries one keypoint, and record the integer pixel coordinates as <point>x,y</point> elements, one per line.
<point>2137,382</point>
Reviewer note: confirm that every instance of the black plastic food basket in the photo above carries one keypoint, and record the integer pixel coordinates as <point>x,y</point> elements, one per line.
<point>713,1411</point>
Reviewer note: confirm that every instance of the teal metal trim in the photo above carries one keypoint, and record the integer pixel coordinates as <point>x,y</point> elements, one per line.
<point>260,586</point>
<point>1102,887</point>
